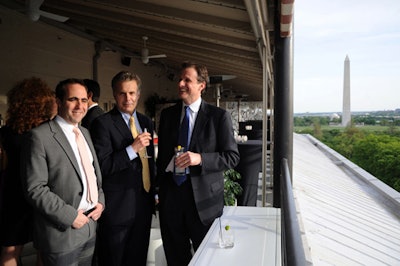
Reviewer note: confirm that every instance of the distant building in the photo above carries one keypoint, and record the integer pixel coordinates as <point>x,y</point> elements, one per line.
<point>346,114</point>
<point>334,116</point>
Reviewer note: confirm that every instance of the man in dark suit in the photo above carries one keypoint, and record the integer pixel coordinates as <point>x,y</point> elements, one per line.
<point>124,229</point>
<point>94,110</point>
<point>188,209</point>
<point>58,182</point>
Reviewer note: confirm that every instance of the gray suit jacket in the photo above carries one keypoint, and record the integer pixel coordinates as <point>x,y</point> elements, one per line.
<point>52,184</point>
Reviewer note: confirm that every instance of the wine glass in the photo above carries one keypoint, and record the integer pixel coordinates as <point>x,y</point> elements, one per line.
<point>146,155</point>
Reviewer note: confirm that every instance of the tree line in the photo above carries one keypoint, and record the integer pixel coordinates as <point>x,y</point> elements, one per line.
<point>304,121</point>
<point>377,152</point>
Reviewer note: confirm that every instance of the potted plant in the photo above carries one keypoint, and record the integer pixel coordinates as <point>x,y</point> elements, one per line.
<point>232,188</point>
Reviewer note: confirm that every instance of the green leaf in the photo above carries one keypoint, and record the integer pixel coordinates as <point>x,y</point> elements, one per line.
<point>232,188</point>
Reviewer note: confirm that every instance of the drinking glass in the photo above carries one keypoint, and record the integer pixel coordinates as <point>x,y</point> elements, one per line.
<point>146,155</point>
<point>226,237</point>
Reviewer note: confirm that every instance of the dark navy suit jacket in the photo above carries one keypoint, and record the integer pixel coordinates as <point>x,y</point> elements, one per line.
<point>212,137</point>
<point>92,114</point>
<point>122,177</point>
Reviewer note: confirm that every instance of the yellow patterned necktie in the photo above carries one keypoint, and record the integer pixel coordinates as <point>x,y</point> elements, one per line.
<point>143,158</point>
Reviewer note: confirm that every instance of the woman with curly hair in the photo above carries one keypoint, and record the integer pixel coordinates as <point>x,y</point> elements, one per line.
<point>30,103</point>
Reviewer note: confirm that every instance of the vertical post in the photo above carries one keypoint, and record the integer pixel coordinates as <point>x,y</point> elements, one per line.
<point>98,47</point>
<point>218,93</point>
<point>283,101</point>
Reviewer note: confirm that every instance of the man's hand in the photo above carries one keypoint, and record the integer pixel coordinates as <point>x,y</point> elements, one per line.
<point>187,159</point>
<point>141,142</point>
<point>80,220</point>
<point>96,214</point>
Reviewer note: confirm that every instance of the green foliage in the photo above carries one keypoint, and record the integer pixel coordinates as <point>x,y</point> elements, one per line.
<point>344,142</point>
<point>378,152</point>
<point>393,130</point>
<point>317,128</point>
<point>232,188</point>
<point>310,120</point>
<point>372,141</point>
<point>366,120</point>
<point>380,155</point>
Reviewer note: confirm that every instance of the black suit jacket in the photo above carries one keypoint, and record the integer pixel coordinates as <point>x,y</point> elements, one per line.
<point>91,114</point>
<point>122,178</point>
<point>213,138</point>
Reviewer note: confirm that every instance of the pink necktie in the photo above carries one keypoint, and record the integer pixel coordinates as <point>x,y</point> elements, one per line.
<point>92,195</point>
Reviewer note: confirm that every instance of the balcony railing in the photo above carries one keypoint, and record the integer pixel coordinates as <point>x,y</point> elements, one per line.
<point>292,246</point>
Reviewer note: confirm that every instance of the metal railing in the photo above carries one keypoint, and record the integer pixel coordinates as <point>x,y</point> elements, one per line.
<point>292,246</point>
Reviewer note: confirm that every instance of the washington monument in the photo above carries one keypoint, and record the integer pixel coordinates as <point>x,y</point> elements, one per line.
<point>346,114</point>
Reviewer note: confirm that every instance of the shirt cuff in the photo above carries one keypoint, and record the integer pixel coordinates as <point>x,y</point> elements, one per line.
<point>131,153</point>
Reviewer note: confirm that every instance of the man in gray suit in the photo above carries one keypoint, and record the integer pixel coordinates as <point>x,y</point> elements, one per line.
<point>57,182</point>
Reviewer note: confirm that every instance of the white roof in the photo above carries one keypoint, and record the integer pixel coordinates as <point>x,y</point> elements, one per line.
<point>347,216</point>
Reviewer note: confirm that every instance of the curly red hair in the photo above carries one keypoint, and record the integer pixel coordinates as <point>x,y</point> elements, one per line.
<point>30,103</point>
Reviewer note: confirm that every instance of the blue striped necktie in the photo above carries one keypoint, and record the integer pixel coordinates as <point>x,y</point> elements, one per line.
<point>183,141</point>
<point>184,130</point>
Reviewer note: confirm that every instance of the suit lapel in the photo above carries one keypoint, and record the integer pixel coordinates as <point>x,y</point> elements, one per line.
<point>59,136</point>
<point>176,122</point>
<point>201,120</point>
<point>120,124</point>
<point>86,134</point>
<point>88,140</point>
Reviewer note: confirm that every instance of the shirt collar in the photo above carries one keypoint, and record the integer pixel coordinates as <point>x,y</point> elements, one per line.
<point>195,106</point>
<point>64,124</point>
<point>93,105</point>
<point>126,116</point>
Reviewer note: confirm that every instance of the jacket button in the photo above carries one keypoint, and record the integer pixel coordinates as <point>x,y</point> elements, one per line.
<point>80,193</point>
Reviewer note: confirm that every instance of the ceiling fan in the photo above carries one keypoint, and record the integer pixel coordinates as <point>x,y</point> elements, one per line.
<point>145,52</point>
<point>34,12</point>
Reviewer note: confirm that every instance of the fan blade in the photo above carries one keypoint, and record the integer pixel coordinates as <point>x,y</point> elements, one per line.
<point>157,56</point>
<point>145,52</point>
<point>53,16</point>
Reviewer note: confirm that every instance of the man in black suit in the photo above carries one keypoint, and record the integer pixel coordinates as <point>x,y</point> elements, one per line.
<point>124,229</point>
<point>188,209</point>
<point>94,110</point>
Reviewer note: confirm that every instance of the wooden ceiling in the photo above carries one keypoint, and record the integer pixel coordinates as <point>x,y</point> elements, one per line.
<point>217,33</point>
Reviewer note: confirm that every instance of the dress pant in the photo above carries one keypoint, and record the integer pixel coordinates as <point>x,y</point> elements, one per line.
<point>181,228</point>
<point>127,243</point>
<point>81,256</point>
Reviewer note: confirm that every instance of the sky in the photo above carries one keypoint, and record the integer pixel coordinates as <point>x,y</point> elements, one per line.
<point>368,32</point>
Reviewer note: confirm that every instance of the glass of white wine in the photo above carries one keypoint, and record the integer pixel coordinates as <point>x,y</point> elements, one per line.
<point>146,155</point>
